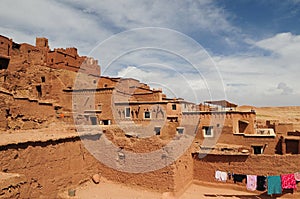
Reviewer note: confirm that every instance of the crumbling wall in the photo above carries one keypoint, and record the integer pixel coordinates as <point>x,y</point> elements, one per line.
<point>5,46</point>
<point>52,166</point>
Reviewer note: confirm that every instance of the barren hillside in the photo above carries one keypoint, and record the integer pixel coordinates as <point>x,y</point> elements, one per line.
<point>286,114</point>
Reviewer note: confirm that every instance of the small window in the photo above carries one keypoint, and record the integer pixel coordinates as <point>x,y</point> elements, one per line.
<point>39,90</point>
<point>99,107</point>
<point>43,79</point>
<point>105,85</point>
<point>180,130</point>
<point>173,106</point>
<point>147,115</point>
<point>127,112</point>
<point>93,120</point>
<point>208,131</point>
<point>106,122</point>
<point>257,149</point>
<point>157,130</point>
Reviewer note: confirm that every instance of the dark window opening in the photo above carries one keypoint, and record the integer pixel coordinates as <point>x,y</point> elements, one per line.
<point>147,115</point>
<point>157,130</point>
<point>127,112</point>
<point>173,106</point>
<point>180,130</point>
<point>105,85</point>
<point>106,122</point>
<point>4,63</point>
<point>43,79</point>
<point>93,120</point>
<point>242,126</point>
<point>207,131</point>
<point>257,149</point>
<point>52,60</point>
<point>39,90</point>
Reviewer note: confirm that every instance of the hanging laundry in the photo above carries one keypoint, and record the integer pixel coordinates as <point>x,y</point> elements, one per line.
<point>218,175</point>
<point>288,181</point>
<point>229,175</point>
<point>223,176</point>
<point>297,176</point>
<point>238,178</point>
<point>274,185</point>
<point>261,183</point>
<point>251,182</point>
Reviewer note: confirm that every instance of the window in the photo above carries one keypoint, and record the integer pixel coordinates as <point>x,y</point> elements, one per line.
<point>105,122</point>
<point>257,149</point>
<point>99,107</point>
<point>43,79</point>
<point>157,130</point>
<point>147,115</point>
<point>207,131</point>
<point>173,106</point>
<point>180,130</point>
<point>127,112</point>
<point>39,90</point>
<point>93,120</point>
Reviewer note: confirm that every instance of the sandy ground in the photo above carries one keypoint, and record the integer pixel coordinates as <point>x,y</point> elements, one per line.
<point>110,190</point>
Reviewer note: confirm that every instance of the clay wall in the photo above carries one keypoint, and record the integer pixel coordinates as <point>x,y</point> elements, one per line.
<point>284,128</point>
<point>52,166</point>
<point>26,114</point>
<point>173,109</point>
<point>184,172</point>
<point>5,46</point>
<point>26,55</point>
<point>137,111</point>
<point>204,169</point>
<point>106,82</point>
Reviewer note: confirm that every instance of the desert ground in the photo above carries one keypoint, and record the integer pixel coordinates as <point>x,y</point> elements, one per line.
<point>285,114</point>
<point>198,190</point>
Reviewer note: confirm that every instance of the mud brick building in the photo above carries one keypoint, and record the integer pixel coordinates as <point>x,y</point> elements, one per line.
<point>42,102</point>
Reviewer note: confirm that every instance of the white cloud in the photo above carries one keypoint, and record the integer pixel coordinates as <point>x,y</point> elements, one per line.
<point>84,23</point>
<point>267,79</point>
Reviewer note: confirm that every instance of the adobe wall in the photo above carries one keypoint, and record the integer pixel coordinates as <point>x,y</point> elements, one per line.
<point>204,169</point>
<point>5,46</point>
<point>52,166</point>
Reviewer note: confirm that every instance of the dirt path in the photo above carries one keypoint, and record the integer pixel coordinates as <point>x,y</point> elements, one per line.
<point>110,190</point>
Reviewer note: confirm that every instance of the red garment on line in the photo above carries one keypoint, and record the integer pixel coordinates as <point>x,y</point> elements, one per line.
<point>288,181</point>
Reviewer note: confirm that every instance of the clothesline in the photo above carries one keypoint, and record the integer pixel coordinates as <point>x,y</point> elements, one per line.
<point>275,184</point>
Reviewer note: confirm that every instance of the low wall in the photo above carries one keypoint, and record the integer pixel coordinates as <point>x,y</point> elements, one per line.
<point>54,165</point>
<point>204,169</point>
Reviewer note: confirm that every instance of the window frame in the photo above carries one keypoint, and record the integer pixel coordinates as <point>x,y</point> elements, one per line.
<point>206,129</point>
<point>127,115</point>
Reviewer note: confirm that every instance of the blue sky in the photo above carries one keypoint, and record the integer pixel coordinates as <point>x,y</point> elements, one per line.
<point>252,46</point>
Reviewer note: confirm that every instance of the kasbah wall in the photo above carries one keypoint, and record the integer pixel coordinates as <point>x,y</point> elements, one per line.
<point>37,91</point>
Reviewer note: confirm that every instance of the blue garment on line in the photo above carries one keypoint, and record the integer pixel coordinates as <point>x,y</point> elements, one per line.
<point>274,185</point>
